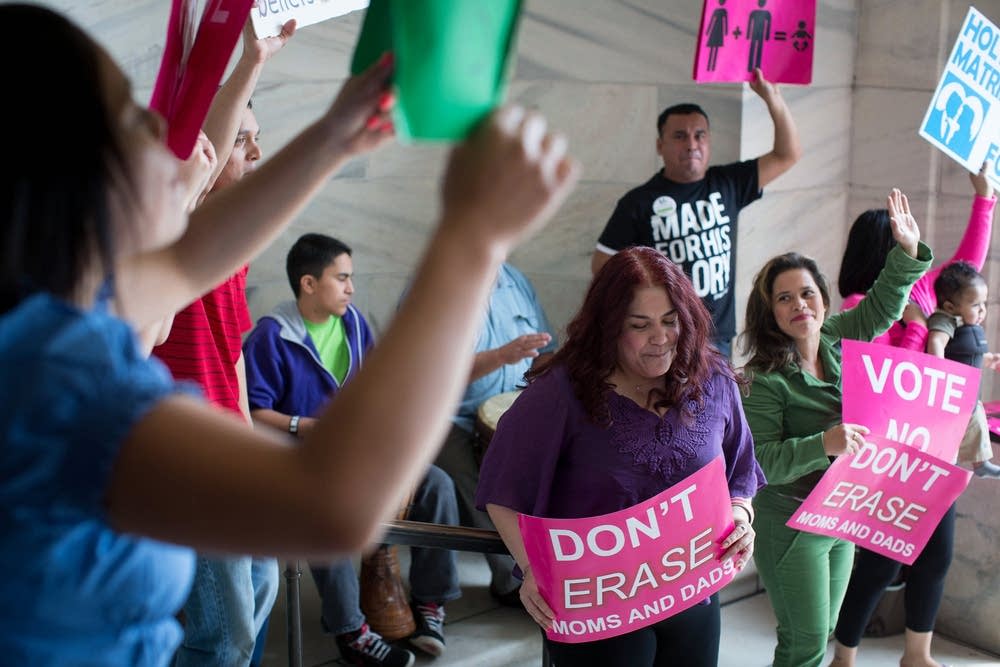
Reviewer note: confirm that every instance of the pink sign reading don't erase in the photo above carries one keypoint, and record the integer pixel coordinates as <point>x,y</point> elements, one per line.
<point>736,36</point>
<point>607,575</point>
<point>888,498</point>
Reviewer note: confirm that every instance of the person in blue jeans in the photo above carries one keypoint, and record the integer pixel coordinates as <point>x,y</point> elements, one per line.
<point>297,358</point>
<point>225,617</point>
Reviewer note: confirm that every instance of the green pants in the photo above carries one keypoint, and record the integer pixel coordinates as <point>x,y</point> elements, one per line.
<point>806,577</point>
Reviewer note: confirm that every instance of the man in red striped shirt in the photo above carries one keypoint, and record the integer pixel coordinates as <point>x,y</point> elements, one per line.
<point>231,597</point>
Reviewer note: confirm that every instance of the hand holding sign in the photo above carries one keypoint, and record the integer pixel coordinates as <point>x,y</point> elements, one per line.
<point>738,544</point>
<point>766,90</point>
<point>359,119</point>
<point>534,603</point>
<point>904,225</point>
<point>844,439</point>
<point>258,50</point>
<point>981,181</point>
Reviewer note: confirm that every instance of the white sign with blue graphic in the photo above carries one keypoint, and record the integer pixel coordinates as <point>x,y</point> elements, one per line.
<point>963,118</point>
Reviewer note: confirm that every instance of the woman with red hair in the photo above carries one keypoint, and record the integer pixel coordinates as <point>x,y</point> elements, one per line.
<point>634,402</point>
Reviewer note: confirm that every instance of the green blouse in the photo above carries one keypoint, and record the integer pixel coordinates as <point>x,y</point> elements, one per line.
<point>789,409</point>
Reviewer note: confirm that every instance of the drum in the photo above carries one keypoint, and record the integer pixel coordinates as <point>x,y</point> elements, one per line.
<point>487,416</point>
<point>384,600</point>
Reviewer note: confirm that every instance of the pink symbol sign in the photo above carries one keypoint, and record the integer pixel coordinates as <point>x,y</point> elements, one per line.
<point>200,41</point>
<point>736,36</point>
<point>908,396</point>
<point>887,498</point>
<point>608,575</point>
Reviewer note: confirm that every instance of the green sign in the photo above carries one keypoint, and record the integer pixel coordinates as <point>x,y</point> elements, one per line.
<point>451,60</point>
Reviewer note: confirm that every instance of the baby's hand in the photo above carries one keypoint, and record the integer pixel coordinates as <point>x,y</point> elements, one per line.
<point>991,360</point>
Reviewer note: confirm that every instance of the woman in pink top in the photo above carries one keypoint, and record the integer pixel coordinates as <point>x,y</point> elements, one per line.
<point>869,242</point>
<point>867,246</point>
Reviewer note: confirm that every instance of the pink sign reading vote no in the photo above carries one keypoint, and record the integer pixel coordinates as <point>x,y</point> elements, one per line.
<point>736,36</point>
<point>607,575</point>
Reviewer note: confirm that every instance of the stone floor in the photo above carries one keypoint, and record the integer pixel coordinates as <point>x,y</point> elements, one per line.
<point>481,633</point>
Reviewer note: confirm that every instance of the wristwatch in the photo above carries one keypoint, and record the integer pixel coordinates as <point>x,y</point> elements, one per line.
<point>293,425</point>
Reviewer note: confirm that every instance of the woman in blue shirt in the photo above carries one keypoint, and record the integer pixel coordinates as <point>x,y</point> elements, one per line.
<point>105,465</point>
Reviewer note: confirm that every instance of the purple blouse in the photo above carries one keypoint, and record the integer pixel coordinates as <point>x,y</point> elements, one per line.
<point>549,459</point>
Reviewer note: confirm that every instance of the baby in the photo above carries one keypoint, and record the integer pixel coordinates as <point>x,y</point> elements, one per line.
<point>956,333</point>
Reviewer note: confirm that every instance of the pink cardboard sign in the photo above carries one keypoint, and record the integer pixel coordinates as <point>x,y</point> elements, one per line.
<point>907,396</point>
<point>888,498</point>
<point>736,36</point>
<point>608,575</point>
<point>195,56</point>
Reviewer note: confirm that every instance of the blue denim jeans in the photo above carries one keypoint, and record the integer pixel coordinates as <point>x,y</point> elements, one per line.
<point>433,573</point>
<point>458,458</point>
<point>229,602</point>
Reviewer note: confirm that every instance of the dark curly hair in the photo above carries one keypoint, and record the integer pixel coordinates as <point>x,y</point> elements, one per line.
<point>955,278</point>
<point>590,353</point>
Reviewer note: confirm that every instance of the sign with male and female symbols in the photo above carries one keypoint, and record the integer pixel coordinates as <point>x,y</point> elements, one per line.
<point>738,36</point>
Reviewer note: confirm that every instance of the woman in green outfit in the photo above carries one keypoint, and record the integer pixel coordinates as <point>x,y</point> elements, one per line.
<point>793,406</point>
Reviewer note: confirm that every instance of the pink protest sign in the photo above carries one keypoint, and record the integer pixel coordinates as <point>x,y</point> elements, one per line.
<point>887,498</point>
<point>908,396</point>
<point>736,36</point>
<point>607,575</point>
<point>198,47</point>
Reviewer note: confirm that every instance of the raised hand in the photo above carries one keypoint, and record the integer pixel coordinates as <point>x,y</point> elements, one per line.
<point>766,90</point>
<point>196,171</point>
<point>360,118</point>
<point>983,186</point>
<point>507,178</point>
<point>904,225</point>
<point>259,50</point>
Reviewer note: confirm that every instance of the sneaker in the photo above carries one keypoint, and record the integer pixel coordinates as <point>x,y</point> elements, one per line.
<point>429,635</point>
<point>987,469</point>
<point>369,649</point>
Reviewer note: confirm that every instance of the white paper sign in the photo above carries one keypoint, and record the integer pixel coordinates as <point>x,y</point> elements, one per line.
<point>963,119</point>
<point>270,15</point>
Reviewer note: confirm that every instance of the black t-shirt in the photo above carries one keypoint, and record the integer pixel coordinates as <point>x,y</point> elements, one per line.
<point>693,224</point>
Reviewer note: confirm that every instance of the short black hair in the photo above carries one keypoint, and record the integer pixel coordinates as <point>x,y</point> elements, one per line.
<point>310,255</point>
<point>683,109</point>
<point>954,278</point>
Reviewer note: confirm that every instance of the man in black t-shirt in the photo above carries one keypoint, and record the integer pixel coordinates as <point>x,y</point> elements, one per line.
<point>688,211</point>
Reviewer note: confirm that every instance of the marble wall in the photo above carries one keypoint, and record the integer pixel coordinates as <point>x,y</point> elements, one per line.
<point>601,70</point>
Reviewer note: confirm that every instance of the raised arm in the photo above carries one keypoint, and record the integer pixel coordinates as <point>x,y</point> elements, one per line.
<point>358,462</point>
<point>787,150</point>
<point>237,223</point>
<point>973,247</point>
<point>223,120</point>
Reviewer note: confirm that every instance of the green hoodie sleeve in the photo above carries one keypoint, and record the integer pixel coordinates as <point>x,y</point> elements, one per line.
<point>884,302</point>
